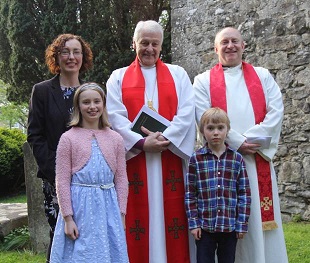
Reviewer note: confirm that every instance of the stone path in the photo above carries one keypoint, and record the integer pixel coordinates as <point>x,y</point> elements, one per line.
<point>12,215</point>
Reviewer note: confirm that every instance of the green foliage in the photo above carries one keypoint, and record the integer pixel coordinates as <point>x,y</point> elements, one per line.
<point>28,27</point>
<point>16,198</point>
<point>11,112</point>
<point>17,239</point>
<point>11,160</point>
<point>297,218</point>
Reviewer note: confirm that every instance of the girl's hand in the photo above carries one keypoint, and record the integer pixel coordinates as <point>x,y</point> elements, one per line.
<point>123,220</point>
<point>71,229</point>
<point>196,233</point>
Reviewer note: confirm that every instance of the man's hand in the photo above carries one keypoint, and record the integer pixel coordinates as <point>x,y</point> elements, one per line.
<point>248,148</point>
<point>154,142</point>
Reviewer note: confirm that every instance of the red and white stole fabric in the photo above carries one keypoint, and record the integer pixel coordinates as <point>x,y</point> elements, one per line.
<point>255,89</point>
<point>137,218</point>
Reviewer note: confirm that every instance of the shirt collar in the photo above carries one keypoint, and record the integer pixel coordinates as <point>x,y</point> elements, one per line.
<point>206,150</point>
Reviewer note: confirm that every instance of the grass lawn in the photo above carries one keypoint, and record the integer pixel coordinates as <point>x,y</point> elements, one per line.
<point>21,257</point>
<point>297,238</point>
<point>21,198</point>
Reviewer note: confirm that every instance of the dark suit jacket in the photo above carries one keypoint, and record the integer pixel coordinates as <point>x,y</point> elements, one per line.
<point>47,121</point>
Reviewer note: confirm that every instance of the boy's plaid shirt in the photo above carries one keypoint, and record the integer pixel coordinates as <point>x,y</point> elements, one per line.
<point>217,196</point>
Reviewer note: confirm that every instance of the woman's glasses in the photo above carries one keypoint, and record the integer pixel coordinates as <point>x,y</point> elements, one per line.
<point>66,53</point>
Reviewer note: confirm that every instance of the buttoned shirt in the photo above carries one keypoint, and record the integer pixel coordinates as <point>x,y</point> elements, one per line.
<point>218,194</point>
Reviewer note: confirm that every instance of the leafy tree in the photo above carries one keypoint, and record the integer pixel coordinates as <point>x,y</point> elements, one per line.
<point>12,112</point>
<point>28,27</point>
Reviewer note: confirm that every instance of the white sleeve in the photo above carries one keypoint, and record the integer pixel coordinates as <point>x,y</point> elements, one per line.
<point>181,132</point>
<point>118,115</point>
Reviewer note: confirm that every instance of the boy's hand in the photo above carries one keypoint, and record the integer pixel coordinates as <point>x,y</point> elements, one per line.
<point>196,233</point>
<point>240,235</point>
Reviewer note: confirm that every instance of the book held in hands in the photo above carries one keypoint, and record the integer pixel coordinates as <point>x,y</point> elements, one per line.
<point>149,119</point>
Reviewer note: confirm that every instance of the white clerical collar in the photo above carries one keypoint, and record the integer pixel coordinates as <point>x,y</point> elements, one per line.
<point>233,68</point>
<point>147,67</point>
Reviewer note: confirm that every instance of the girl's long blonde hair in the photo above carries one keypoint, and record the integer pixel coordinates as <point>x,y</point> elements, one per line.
<point>76,119</point>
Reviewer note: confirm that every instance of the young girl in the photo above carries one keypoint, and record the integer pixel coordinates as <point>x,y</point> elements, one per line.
<point>91,185</point>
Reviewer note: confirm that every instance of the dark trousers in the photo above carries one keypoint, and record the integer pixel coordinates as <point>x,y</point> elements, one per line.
<point>223,243</point>
<point>51,211</point>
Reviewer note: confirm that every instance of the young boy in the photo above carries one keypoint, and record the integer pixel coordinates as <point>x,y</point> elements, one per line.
<point>217,197</point>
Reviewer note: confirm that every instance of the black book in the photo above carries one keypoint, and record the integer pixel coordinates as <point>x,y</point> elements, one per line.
<point>149,119</point>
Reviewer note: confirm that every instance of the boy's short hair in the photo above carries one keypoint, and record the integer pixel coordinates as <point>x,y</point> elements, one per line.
<point>215,115</point>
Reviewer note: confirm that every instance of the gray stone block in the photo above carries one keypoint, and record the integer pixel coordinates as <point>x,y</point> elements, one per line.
<point>38,226</point>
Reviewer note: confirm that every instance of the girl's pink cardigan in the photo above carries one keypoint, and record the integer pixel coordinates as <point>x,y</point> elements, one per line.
<point>74,151</point>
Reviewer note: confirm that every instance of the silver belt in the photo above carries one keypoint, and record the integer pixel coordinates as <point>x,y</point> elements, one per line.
<point>101,186</point>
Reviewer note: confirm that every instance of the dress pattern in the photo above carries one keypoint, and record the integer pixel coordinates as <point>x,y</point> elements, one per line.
<point>97,216</point>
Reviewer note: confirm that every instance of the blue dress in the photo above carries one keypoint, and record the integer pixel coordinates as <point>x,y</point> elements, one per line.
<point>97,216</point>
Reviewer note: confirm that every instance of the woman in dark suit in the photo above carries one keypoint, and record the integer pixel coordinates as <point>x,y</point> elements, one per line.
<point>50,108</point>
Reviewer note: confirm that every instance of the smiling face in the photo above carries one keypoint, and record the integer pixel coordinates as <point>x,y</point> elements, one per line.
<point>91,108</point>
<point>229,47</point>
<point>148,47</point>
<point>70,57</point>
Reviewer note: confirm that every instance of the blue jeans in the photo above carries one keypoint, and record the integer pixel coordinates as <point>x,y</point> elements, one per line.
<point>223,243</point>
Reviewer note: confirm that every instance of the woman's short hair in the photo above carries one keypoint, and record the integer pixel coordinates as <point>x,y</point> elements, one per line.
<point>52,51</point>
<point>76,118</point>
<point>150,26</point>
<point>214,115</point>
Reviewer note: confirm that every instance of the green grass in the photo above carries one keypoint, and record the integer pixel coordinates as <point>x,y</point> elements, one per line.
<point>20,198</point>
<point>24,256</point>
<point>297,238</point>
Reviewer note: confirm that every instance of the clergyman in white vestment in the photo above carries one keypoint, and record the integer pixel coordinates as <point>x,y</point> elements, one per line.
<point>258,246</point>
<point>178,138</point>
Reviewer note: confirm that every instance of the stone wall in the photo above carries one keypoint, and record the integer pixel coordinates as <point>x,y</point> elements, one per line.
<point>277,37</point>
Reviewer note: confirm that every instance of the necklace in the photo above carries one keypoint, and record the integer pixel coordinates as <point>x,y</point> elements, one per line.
<point>150,100</point>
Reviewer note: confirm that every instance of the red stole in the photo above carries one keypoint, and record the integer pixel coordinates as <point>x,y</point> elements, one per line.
<point>137,218</point>
<point>255,89</point>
